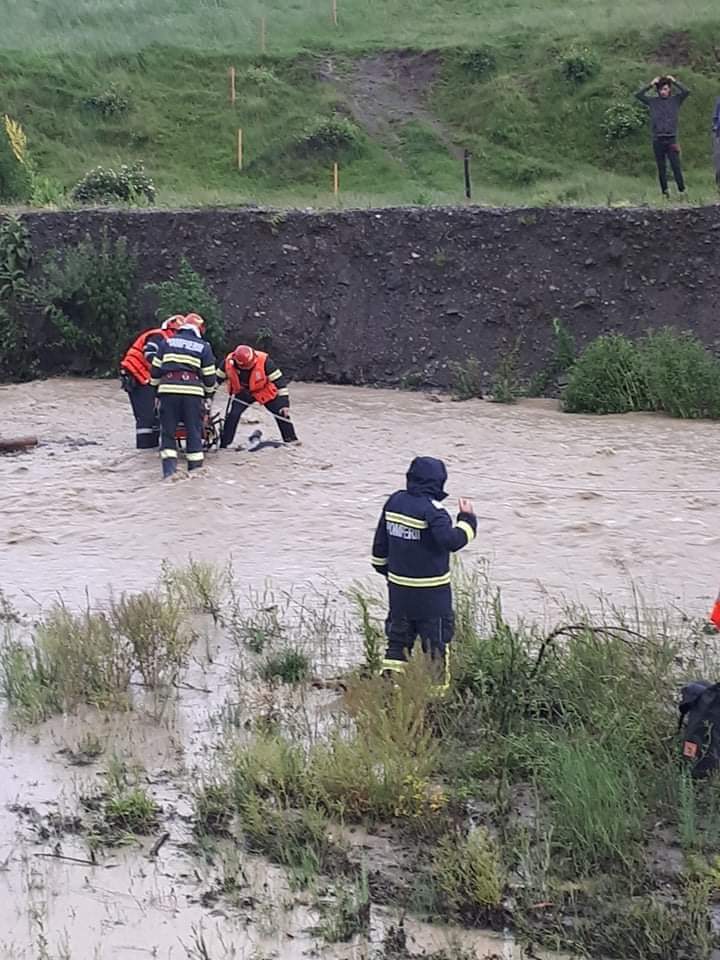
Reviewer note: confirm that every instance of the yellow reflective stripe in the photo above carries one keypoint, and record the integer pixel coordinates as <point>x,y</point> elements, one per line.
<point>182,358</point>
<point>168,454</point>
<point>284,392</point>
<point>397,666</point>
<point>405,520</point>
<point>209,371</point>
<point>466,529</point>
<point>170,388</point>
<point>156,362</point>
<point>379,561</point>
<point>154,382</point>
<point>275,375</point>
<point>419,581</point>
<point>194,457</point>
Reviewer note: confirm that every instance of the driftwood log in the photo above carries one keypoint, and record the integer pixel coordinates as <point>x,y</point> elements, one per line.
<point>12,444</point>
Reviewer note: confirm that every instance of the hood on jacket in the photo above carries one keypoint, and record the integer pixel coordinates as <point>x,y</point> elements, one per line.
<point>427,476</point>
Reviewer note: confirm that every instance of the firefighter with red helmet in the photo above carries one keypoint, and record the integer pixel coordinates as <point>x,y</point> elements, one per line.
<point>183,371</point>
<point>135,380</point>
<point>252,377</point>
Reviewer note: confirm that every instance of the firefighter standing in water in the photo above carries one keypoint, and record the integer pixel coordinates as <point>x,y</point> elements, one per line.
<point>135,380</point>
<point>413,542</point>
<point>183,370</point>
<point>252,377</point>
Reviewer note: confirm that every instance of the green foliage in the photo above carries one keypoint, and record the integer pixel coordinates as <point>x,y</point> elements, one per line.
<point>682,377</point>
<point>467,379</point>
<point>109,103</point>
<point>259,76</point>
<point>579,63</point>
<point>622,119</point>
<point>330,135</point>
<point>133,811</point>
<point>506,382</point>
<point>288,666</point>
<point>665,371</point>
<point>187,293</point>
<point>347,914</point>
<point>127,184</point>
<point>372,634</point>
<point>213,808</point>
<point>480,62</point>
<point>15,177</point>
<point>468,871</point>
<point>154,627</point>
<point>88,294</point>
<point>608,377</point>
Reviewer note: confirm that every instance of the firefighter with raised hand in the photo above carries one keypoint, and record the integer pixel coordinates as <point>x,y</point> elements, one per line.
<point>135,380</point>
<point>183,370</point>
<point>413,542</point>
<point>252,377</point>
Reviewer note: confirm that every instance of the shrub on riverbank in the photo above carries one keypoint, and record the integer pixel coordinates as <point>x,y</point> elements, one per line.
<point>665,371</point>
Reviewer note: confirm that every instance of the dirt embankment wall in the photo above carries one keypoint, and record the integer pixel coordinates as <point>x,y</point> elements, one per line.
<point>382,296</point>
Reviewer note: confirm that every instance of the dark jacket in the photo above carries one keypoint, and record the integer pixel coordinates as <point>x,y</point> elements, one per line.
<point>413,542</point>
<point>184,364</point>
<point>664,111</point>
<point>716,118</point>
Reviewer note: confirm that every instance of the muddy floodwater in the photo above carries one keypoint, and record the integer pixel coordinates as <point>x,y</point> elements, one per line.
<point>567,506</point>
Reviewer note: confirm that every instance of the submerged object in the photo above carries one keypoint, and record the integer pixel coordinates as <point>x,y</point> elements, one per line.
<point>12,444</point>
<point>256,442</point>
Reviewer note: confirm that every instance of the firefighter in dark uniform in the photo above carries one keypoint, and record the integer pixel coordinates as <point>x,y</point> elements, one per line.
<point>135,380</point>
<point>183,370</point>
<point>252,377</point>
<point>413,542</point>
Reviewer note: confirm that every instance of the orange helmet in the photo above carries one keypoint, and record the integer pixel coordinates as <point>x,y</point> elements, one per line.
<point>243,356</point>
<point>173,323</point>
<point>195,320</point>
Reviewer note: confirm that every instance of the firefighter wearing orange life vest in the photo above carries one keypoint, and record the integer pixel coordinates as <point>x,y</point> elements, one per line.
<point>135,380</point>
<point>252,377</point>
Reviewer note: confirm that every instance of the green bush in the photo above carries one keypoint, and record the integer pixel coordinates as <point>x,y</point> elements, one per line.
<point>683,378</point>
<point>578,64</point>
<point>15,176</point>
<point>287,666</point>
<point>621,120</point>
<point>480,62</point>
<point>468,871</point>
<point>608,377</point>
<point>261,77</point>
<point>127,184</point>
<point>188,293</point>
<point>109,103</point>
<point>87,292</point>
<point>467,379</point>
<point>330,135</point>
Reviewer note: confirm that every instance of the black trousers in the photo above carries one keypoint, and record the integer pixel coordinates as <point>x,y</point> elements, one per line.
<point>239,404</point>
<point>665,148</point>
<point>178,408</point>
<point>435,634</point>
<point>147,423</point>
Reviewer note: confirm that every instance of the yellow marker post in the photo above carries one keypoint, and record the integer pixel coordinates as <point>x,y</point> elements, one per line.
<point>233,91</point>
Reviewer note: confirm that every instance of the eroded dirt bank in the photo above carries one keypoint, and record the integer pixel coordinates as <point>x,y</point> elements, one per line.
<point>378,296</point>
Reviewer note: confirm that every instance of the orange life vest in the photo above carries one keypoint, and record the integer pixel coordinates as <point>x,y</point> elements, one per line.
<point>262,390</point>
<point>134,361</point>
<point>715,614</point>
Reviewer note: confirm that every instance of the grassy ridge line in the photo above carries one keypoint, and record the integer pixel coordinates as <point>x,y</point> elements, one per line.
<point>106,26</point>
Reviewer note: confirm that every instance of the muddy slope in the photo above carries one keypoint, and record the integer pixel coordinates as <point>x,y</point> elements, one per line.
<point>379,295</point>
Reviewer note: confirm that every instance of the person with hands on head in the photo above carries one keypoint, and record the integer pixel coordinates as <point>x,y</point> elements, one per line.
<point>413,542</point>
<point>664,115</point>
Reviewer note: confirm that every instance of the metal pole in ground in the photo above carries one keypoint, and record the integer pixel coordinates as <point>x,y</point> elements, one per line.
<point>468,183</point>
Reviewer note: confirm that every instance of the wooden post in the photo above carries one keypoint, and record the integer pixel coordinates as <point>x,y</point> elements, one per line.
<point>468,183</point>
<point>263,35</point>
<point>334,12</point>
<point>336,179</point>
<point>233,91</point>
<point>239,149</point>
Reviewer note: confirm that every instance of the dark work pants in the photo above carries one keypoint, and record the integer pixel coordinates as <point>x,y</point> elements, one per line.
<point>435,634</point>
<point>716,156</point>
<point>239,404</point>
<point>178,408</point>
<point>667,149</point>
<point>147,425</point>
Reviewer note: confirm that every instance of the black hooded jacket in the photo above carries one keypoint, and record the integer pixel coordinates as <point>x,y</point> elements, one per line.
<point>413,542</point>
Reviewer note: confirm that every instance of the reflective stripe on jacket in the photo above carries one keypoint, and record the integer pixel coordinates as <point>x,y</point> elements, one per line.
<point>260,385</point>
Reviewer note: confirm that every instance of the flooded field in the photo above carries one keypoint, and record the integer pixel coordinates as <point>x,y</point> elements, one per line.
<point>567,507</point>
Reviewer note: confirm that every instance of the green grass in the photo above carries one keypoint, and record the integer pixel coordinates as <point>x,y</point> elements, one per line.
<point>536,138</point>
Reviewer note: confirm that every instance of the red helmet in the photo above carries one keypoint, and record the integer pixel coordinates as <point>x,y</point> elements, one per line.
<point>173,323</point>
<point>243,356</point>
<point>195,320</point>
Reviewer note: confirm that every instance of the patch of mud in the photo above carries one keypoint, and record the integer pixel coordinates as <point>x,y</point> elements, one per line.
<point>674,49</point>
<point>387,90</point>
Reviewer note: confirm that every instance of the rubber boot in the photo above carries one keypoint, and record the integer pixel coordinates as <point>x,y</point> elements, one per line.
<point>169,467</point>
<point>195,465</point>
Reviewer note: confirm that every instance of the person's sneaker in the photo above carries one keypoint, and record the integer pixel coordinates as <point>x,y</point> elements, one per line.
<point>666,194</point>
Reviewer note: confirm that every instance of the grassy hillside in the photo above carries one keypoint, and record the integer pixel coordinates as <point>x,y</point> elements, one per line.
<point>494,84</point>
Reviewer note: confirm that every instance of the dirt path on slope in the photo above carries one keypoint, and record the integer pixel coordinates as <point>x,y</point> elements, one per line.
<point>387,90</point>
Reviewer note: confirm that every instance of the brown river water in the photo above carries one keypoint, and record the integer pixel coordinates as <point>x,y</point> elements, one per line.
<point>568,506</point>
